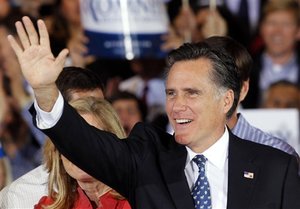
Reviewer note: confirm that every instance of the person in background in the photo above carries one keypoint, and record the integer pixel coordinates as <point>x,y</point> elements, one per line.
<point>282,94</point>
<point>151,168</point>
<point>247,13</point>
<point>69,186</point>
<point>20,142</point>
<point>30,7</point>
<point>279,58</point>
<point>130,109</point>
<point>237,123</point>
<point>66,30</point>
<point>74,83</point>
<point>5,8</point>
<point>17,141</point>
<point>200,20</point>
<point>147,84</point>
<point>238,19</point>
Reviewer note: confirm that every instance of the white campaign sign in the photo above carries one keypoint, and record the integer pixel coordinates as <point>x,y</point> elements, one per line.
<point>283,123</point>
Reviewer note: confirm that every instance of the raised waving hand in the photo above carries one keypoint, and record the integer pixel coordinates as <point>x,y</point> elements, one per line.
<point>39,67</point>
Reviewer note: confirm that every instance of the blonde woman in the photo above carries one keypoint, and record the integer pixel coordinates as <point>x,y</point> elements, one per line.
<point>69,187</point>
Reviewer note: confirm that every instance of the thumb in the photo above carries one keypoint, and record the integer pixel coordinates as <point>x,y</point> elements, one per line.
<point>61,58</point>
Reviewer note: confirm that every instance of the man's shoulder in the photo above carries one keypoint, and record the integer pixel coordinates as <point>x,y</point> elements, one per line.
<point>254,134</point>
<point>257,149</point>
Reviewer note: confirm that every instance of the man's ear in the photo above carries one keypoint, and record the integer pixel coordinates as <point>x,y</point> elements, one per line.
<point>228,100</point>
<point>244,90</point>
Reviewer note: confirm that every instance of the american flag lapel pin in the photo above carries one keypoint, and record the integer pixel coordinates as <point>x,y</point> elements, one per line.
<point>248,175</point>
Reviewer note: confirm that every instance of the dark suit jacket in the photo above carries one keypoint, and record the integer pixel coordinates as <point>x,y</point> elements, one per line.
<point>148,167</point>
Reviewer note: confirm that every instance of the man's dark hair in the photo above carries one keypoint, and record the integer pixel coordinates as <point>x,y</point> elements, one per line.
<point>224,74</point>
<point>76,78</point>
<point>125,95</point>
<point>237,51</point>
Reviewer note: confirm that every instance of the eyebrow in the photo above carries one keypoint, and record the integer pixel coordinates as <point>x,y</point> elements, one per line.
<point>192,90</point>
<point>186,90</point>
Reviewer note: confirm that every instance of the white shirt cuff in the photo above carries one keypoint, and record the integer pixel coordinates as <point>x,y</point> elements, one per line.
<point>45,120</point>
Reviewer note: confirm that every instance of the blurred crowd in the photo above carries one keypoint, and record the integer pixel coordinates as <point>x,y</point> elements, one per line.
<point>269,29</point>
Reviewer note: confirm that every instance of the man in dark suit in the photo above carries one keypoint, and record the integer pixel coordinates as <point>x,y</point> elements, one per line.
<point>151,168</point>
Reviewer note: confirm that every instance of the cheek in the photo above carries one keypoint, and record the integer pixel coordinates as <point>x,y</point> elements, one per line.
<point>76,172</point>
<point>169,106</point>
<point>67,165</point>
<point>70,168</point>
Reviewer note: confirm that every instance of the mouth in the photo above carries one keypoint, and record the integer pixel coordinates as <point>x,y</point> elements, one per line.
<point>277,39</point>
<point>183,121</point>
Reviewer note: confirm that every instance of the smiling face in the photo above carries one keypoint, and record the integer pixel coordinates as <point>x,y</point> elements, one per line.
<point>279,31</point>
<point>195,108</point>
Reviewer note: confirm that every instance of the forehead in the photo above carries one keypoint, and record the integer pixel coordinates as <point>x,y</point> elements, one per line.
<point>125,102</point>
<point>285,92</point>
<point>281,15</point>
<point>92,120</point>
<point>188,72</point>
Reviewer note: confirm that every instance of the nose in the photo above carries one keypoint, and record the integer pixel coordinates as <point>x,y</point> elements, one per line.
<point>179,104</point>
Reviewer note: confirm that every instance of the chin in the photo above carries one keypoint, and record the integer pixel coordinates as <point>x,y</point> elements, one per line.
<point>181,139</point>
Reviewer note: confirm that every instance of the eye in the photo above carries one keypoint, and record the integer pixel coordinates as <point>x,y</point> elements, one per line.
<point>192,93</point>
<point>170,94</point>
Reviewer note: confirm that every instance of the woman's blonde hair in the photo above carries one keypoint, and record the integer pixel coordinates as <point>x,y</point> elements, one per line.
<point>62,188</point>
<point>6,172</point>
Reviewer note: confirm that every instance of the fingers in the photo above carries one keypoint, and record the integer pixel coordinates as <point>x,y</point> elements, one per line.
<point>28,35</point>
<point>22,35</point>
<point>44,36</point>
<point>32,34</point>
<point>61,58</point>
<point>16,47</point>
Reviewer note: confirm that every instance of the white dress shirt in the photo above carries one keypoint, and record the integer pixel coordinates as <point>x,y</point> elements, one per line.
<point>216,166</point>
<point>216,169</point>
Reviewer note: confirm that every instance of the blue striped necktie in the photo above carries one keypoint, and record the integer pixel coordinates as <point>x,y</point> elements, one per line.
<point>201,190</point>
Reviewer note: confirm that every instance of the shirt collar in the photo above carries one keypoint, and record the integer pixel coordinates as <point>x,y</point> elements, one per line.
<point>240,124</point>
<point>291,62</point>
<point>220,147</point>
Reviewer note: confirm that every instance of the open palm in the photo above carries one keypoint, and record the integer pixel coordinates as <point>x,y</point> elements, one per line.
<point>38,65</point>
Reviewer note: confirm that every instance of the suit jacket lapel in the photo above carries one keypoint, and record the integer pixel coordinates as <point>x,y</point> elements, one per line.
<point>172,165</point>
<point>242,173</point>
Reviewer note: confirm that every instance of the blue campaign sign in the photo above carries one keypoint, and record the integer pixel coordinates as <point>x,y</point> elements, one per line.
<point>124,28</point>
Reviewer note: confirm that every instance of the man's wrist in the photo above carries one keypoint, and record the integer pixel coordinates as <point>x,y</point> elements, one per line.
<point>46,97</point>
